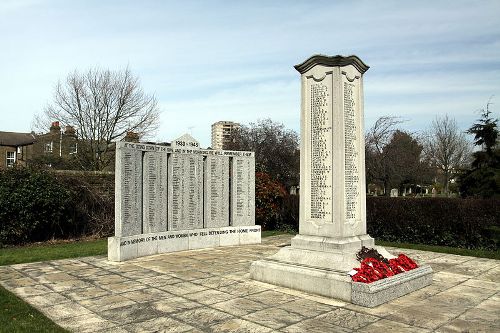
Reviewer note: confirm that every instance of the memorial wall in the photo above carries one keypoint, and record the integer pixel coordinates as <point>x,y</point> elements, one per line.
<point>181,197</point>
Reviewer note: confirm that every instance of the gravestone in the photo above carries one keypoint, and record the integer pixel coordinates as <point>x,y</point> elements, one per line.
<point>394,193</point>
<point>332,219</point>
<point>181,197</point>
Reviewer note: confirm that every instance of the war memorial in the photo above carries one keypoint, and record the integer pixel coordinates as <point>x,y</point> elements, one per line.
<point>332,223</point>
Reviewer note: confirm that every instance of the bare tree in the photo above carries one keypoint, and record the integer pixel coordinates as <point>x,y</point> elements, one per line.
<point>376,139</point>
<point>447,148</point>
<point>103,105</point>
<point>380,134</point>
<point>276,149</point>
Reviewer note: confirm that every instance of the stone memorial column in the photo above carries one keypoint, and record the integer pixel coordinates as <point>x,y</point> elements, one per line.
<point>332,220</point>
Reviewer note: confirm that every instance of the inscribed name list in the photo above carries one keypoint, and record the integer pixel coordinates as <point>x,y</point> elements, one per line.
<point>131,193</point>
<point>216,191</point>
<point>320,185</point>
<point>351,153</point>
<point>186,191</point>
<point>243,191</point>
<point>154,192</point>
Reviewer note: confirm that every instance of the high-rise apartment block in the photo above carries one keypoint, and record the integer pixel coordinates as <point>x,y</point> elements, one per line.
<point>221,132</point>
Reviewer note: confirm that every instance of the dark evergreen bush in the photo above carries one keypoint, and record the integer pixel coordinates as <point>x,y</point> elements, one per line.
<point>34,206</point>
<point>465,223</point>
<point>38,205</point>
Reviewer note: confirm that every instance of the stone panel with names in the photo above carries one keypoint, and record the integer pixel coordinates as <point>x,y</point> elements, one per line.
<point>154,192</point>
<point>352,167</point>
<point>185,191</point>
<point>161,191</point>
<point>216,191</point>
<point>243,191</point>
<point>320,185</point>
<point>130,193</point>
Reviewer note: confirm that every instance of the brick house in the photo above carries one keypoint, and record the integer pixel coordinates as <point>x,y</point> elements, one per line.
<point>15,148</point>
<point>56,143</point>
<point>56,148</point>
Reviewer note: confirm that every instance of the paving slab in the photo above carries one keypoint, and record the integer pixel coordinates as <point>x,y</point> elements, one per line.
<point>210,291</point>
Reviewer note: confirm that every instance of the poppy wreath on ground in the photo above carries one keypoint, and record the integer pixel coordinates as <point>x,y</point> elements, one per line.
<point>374,269</point>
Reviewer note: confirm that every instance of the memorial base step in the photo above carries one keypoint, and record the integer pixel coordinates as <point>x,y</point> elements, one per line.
<point>336,283</point>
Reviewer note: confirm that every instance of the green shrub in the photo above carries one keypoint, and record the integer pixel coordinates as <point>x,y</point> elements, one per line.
<point>34,206</point>
<point>38,205</point>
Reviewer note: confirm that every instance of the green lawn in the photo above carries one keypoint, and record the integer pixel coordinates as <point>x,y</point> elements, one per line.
<point>43,252</point>
<point>18,316</point>
<point>443,249</point>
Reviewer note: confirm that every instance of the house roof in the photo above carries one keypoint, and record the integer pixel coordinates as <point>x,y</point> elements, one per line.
<point>14,139</point>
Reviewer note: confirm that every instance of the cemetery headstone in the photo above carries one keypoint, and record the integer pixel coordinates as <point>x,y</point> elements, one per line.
<point>394,193</point>
<point>181,197</point>
<point>332,219</point>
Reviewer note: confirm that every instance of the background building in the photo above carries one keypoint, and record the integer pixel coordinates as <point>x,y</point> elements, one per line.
<point>221,132</point>
<point>15,148</point>
<point>56,144</point>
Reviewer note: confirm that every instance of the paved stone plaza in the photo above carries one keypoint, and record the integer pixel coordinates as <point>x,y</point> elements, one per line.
<point>210,291</point>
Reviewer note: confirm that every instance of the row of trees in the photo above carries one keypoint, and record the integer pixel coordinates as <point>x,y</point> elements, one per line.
<point>441,156</point>
<point>395,157</point>
<point>104,105</point>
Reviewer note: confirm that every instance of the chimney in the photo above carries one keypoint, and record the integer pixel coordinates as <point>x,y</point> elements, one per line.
<point>70,130</point>
<point>131,137</point>
<point>55,128</point>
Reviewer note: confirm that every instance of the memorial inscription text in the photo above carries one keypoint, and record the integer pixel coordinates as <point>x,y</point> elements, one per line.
<point>321,167</point>
<point>351,157</point>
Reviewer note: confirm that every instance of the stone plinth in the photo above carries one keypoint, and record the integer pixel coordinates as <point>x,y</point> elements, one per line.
<point>332,219</point>
<point>130,247</point>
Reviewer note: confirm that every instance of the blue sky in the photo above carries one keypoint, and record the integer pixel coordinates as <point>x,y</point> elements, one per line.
<point>233,60</point>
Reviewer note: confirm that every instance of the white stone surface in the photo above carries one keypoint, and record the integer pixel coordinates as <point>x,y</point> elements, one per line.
<point>120,248</point>
<point>230,236</point>
<point>129,247</point>
<point>128,190</point>
<point>243,191</point>
<point>381,291</point>
<point>332,152</point>
<point>154,192</point>
<point>204,238</point>
<point>173,241</point>
<point>216,191</point>
<point>249,234</point>
<point>185,189</point>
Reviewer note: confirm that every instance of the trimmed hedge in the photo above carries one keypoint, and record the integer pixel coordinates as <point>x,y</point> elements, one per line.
<point>465,223</point>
